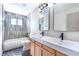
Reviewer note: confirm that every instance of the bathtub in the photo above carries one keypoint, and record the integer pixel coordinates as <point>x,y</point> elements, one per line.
<point>13,43</point>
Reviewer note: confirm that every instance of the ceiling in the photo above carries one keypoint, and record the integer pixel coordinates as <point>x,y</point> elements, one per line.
<point>19,8</point>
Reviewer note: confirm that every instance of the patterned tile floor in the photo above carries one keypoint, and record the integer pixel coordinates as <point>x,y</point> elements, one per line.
<point>13,52</point>
<point>17,52</point>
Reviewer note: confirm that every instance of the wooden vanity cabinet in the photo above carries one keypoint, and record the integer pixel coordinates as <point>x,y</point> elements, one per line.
<point>48,51</point>
<point>53,52</point>
<point>38,43</point>
<point>38,49</point>
<point>32,48</point>
<point>60,54</point>
<point>35,48</point>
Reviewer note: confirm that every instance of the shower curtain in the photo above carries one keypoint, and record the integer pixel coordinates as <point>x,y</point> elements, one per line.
<point>14,31</point>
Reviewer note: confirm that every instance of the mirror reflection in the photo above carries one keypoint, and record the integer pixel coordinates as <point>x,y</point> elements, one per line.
<point>44,18</point>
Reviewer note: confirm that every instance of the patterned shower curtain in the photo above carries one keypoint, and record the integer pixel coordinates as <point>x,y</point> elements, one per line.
<point>14,31</point>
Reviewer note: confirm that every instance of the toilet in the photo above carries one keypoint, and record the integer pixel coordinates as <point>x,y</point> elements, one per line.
<point>26,45</point>
<point>26,48</point>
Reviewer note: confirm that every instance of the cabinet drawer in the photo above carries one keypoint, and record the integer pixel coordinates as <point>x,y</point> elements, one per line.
<point>49,49</point>
<point>38,43</point>
<point>60,54</point>
<point>46,53</point>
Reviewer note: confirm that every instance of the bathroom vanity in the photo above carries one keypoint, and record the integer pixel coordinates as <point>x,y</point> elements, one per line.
<point>39,49</point>
<point>49,46</point>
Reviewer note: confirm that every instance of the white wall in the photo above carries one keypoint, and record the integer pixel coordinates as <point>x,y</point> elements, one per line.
<point>34,21</point>
<point>0,29</point>
<point>74,36</point>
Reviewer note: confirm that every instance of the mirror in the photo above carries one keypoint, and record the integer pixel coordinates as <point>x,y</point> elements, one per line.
<point>73,21</point>
<point>66,17</point>
<point>44,19</point>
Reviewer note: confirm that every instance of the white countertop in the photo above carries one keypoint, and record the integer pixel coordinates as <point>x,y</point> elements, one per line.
<point>67,47</point>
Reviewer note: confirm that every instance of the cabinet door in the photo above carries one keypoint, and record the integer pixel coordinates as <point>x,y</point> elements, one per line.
<point>46,53</point>
<point>59,54</point>
<point>37,50</point>
<point>51,50</point>
<point>32,48</point>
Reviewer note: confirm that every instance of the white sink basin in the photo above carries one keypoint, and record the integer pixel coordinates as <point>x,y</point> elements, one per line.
<point>36,36</point>
<point>58,41</point>
<point>51,40</point>
<point>67,43</point>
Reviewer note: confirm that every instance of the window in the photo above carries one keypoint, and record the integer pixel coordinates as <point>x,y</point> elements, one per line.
<point>16,21</point>
<point>13,21</point>
<point>19,22</point>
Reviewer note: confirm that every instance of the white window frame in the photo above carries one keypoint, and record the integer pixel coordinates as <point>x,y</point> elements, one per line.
<point>19,22</point>
<point>14,21</point>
